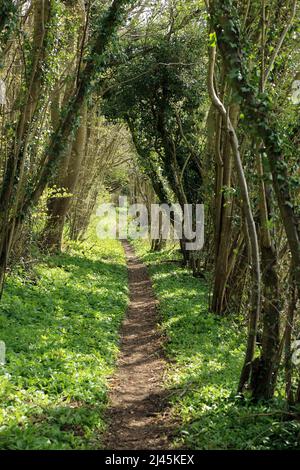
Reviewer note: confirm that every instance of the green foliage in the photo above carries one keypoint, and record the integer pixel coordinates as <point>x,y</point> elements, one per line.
<point>206,355</point>
<point>161,94</point>
<point>60,322</point>
<point>8,20</point>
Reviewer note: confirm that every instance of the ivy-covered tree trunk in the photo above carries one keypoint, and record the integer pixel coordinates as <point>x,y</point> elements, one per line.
<point>67,178</point>
<point>13,179</point>
<point>264,377</point>
<point>259,114</point>
<point>253,247</point>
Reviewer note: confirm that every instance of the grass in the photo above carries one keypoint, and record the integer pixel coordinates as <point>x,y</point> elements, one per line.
<point>206,353</point>
<point>60,321</point>
<point>60,324</point>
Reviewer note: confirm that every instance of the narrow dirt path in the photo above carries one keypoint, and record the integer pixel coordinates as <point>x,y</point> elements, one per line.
<point>138,411</point>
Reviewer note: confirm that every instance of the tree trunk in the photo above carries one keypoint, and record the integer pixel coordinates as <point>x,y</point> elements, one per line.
<point>253,240</point>
<point>223,217</point>
<point>13,179</point>
<point>264,382</point>
<point>58,206</point>
<point>258,111</point>
<point>288,366</point>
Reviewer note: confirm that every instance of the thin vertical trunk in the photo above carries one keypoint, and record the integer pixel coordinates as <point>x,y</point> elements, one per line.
<point>288,366</point>
<point>253,240</point>
<point>224,221</point>
<point>265,377</point>
<point>264,382</point>
<point>258,111</point>
<point>58,206</point>
<point>13,179</point>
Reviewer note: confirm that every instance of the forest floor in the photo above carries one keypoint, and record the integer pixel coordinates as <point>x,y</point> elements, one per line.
<point>177,369</point>
<point>138,413</point>
<point>60,319</point>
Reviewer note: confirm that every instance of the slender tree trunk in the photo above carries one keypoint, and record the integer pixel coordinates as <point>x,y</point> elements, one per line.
<point>264,382</point>
<point>260,114</point>
<point>224,222</point>
<point>253,240</point>
<point>58,206</point>
<point>13,179</point>
<point>288,366</point>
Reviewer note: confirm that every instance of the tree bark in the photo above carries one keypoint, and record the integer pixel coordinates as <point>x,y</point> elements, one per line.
<point>258,111</point>
<point>13,179</point>
<point>58,207</point>
<point>253,239</point>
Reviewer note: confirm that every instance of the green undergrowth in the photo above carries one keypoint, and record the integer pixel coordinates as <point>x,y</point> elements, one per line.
<point>60,320</point>
<point>206,353</point>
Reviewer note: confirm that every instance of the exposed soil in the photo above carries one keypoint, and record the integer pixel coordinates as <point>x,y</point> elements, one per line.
<point>138,412</point>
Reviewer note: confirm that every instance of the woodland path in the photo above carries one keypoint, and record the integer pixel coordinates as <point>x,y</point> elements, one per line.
<point>137,414</point>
